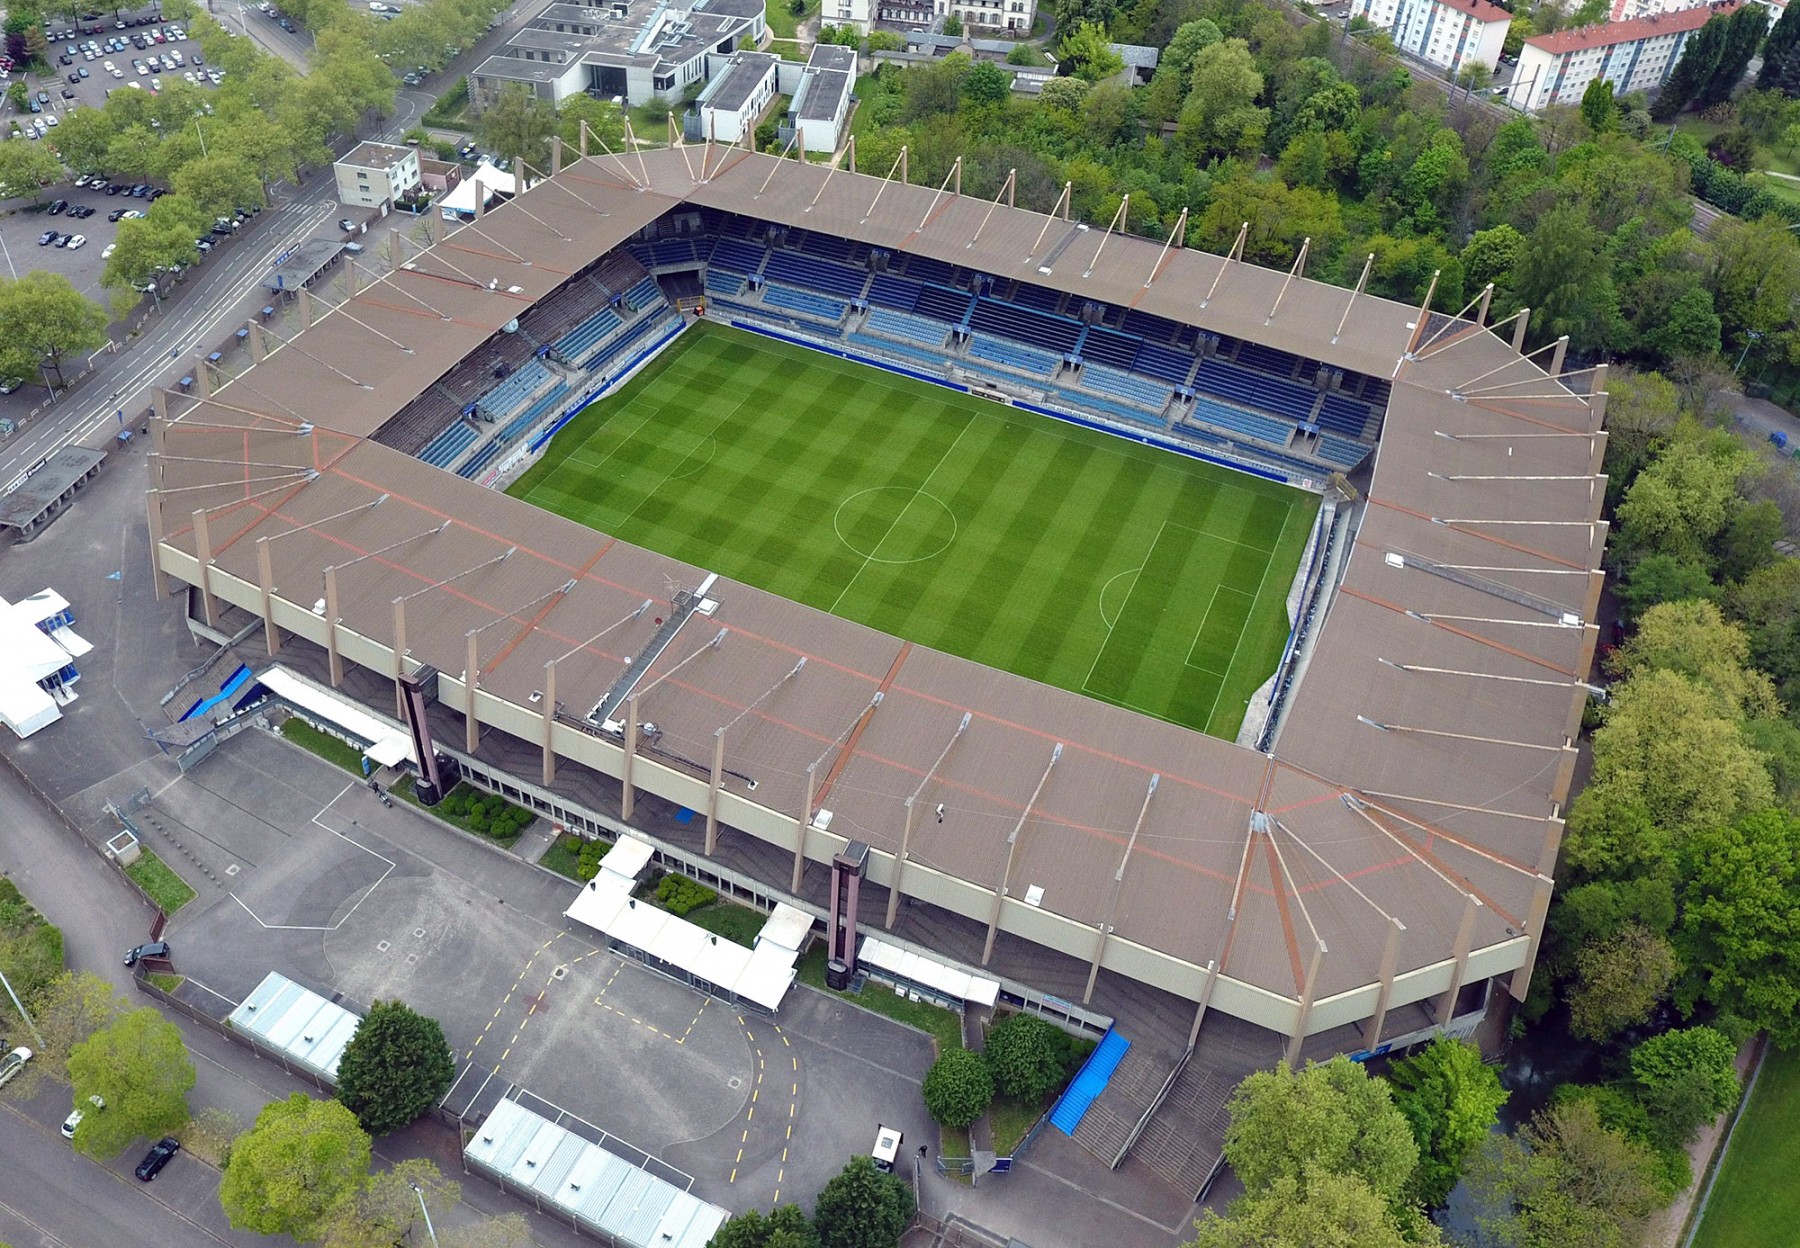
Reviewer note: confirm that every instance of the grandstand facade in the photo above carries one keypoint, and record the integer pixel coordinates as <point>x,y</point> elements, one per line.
<point>1375,856</point>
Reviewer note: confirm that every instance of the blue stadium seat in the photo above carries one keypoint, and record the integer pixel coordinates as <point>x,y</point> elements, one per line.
<point>804,271</point>
<point>932,360</point>
<point>804,302</point>
<point>1236,420</point>
<point>1343,453</point>
<point>1164,363</point>
<point>580,340</point>
<point>644,294</point>
<point>1344,415</point>
<point>442,450</point>
<point>1005,320</point>
<point>544,404</point>
<point>1110,347</point>
<point>1228,381</point>
<point>724,285</point>
<point>920,329</point>
<point>1038,298</point>
<point>942,303</point>
<point>517,390</point>
<point>1092,405</point>
<point>739,257</point>
<point>1144,325</point>
<point>481,459</point>
<point>1122,385</point>
<point>888,291</point>
<point>1267,359</point>
<point>1013,355</point>
<point>925,269</point>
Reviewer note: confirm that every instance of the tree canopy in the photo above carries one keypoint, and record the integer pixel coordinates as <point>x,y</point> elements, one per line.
<point>139,1065</point>
<point>862,1208</point>
<point>1451,1100</point>
<point>958,1087</point>
<point>43,320</point>
<point>395,1067</point>
<point>289,1172</point>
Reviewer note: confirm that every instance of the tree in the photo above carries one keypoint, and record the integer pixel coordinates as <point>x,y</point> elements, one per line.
<point>517,125</point>
<point>1681,502</point>
<point>862,1208</point>
<point>1619,980</point>
<point>605,123</point>
<point>219,185</point>
<point>1489,256</point>
<point>1767,604</point>
<point>1219,115</point>
<point>1331,1115</point>
<point>1169,85</point>
<point>1739,935</point>
<point>1564,277</point>
<point>289,1172</point>
<point>1695,639</point>
<point>25,167</point>
<point>1027,1055</point>
<point>72,1008</point>
<point>1663,578</point>
<point>139,1066</point>
<point>1743,36</point>
<point>1088,53</point>
<point>42,319</point>
<point>958,1088</point>
<point>1323,1208</point>
<point>1755,277</point>
<point>986,83</point>
<point>384,1209</point>
<point>1598,108</point>
<point>395,1067</point>
<point>1684,1079</point>
<point>1564,1179</point>
<point>1451,1100</point>
<point>1693,73</point>
<point>783,1227</point>
<point>1781,52</point>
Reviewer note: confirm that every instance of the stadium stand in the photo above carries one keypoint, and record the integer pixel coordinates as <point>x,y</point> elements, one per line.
<point>1345,416</point>
<point>489,452</point>
<point>442,450</point>
<point>644,294</point>
<point>795,269</point>
<point>1112,348</point>
<point>1150,328</point>
<point>1037,298</point>
<point>517,390</point>
<point>1012,355</point>
<point>580,340</point>
<point>804,303</point>
<point>1038,329</point>
<point>1339,451</point>
<point>925,269</point>
<point>910,355</point>
<point>1267,359</point>
<point>1119,384</point>
<point>1236,420</point>
<point>618,272</point>
<point>888,291</point>
<point>724,285</point>
<point>541,406</point>
<point>1228,381</point>
<point>737,256</point>
<point>920,329</point>
<point>666,253</point>
<point>944,304</point>
<point>1164,363</point>
<point>620,344</point>
<point>1090,405</point>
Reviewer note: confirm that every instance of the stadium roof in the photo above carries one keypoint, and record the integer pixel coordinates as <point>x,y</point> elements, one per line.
<point>1407,815</point>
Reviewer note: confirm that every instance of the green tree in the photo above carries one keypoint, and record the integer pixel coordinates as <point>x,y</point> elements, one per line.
<point>1598,107</point>
<point>1781,53</point>
<point>1684,1079</point>
<point>953,25</point>
<point>1219,115</point>
<point>139,1066</point>
<point>1564,1179</point>
<point>1739,936</point>
<point>986,83</point>
<point>958,1088</point>
<point>1321,1208</point>
<point>1565,278</point>
<point>25,167</point>
<point>395,1067</point>
<point>1619,980</point>
<point>862,1208</point>
<point>219,185</point>
<point>1330,1115</point>
<point>43,319</point>
<point>1682,501</point>
<point>290,1171</point>
<point>1693,73</point>
<point>1744,33</point>
<point>71,1008</point>
<point>384,1209</point>
<point>1169,85</point>
<point>783,1227</point>
<point>605,123</point>
<point>1451,1100</point>
<point>1767,604</point>
<point>517,125</point>
<point>1663,578</point>
<point>1489,256</point>
<point>1754,278</point>
<point>1027,1055</point>
<point>1696,640</point>
<point>1088,53</point>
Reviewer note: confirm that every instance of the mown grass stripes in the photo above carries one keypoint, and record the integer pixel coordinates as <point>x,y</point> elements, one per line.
<point>956,523</point>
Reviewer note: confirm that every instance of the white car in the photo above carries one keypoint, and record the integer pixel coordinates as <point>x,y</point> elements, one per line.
<point>74,1118</point>
<point>12,1064</point>
<point>156,84</point>
<point>119,73</point>
<point>49,119</point>
<point>109,66</point>
<point>78,242</point>
<point>110,248</point>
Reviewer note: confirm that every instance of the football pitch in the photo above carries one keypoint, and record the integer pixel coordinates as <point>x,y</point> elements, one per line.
<point>1064,555</point>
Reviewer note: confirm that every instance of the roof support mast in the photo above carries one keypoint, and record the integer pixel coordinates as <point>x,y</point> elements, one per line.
<point>1012,849</point>
<point>912,810</point>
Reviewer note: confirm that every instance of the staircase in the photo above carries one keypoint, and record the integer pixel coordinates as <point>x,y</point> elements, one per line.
<point>1106,1127</point>
<point>1183,1141</point>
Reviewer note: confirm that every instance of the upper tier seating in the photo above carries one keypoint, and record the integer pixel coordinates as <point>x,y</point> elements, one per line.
<point>1111,347</point>
<point>1338,451</point>
<point>942,303</point>
<point>1013,355</point>
<point>1343,415</point>
<point>442,450</point>
<point>888,291</point>
<point>804,271</point>
<point>1249,424</point>
<point>1267,359</point>
<point>1228,381</point>
<point>1005,320</point>
<point>513,393</point>
<point>1122,385</point>
<point>580,340</point>
<point>1164,363</point>
<point>804,302</point>
<point>739,257</point>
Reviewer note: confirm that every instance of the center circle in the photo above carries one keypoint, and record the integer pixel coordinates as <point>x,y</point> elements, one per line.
<point>894,524</point>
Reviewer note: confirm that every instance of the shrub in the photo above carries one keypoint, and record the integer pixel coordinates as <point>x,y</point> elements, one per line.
<point>587,863</point>
<point>680,895</point>
<point>958,1088</point>
<point>1029,1056</point>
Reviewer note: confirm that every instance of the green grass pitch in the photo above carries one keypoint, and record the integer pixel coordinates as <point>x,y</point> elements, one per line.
<point>1122,572</point>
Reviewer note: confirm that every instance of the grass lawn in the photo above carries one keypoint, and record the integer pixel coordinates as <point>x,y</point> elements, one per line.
<point>324,745</point>
<point>448,811</point>
<point>785,24</point>
<point>942,1025</point>
<point>562,855</point>
<point>1754,1203</point>
<point>735,923</point>
<point>1125,573</point>
<point>168,983</point>
<point>1011,1119</point>
<point>166,889</point>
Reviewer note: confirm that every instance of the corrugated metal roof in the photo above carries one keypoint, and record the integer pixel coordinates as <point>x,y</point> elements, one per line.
<point>297,1022</point>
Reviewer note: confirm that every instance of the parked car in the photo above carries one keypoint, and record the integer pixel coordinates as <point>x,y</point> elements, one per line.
<point>77,242</point>
<point>75,1116</point>
<point>157,1157</point>
<point>12,1064</point>
<point>152,949</point>
<point>46,238</point>
<point>110,248</point>
<point>115,214</point>
<point>62,240</point>
<point>57,206</point>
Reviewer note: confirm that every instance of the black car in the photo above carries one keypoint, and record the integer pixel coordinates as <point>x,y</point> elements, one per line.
<point>113,188</point>
<point>62,240</point>
<point>115,214</point>
<point>58,206</point>
<point>154,949</point>
<point>157,1157</point>
<point>46,238</point>
<point>66,60</point>
<point>81,211</point>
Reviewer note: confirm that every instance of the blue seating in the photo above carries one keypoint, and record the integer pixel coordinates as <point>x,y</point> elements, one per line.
<point>1110,347</point>
<point>1267,359</point>
<point>943,304</point>
<point>612,350</point>
<point>544,404</point>
<point>804,302</point>
<point>1006,320</point>
<point>799,270</point>
<point>934,360</point>
<point>739,257</point>
<point>644,293</point>
<point>1236,420</point>
<point>1144,325</point>
<point>1228,381</point>
<point>1013,355</point>
<point>666,252</point>
<point>1164,363</point>
<point>925,269</point>
<point>922,330</point>
<point>1344,415</point>
<point>1201,436</point>
<point>888,291</point>
<point>513,393</point>
<point>1126,386</point>
<point>580,340</point>
<point>1038,298</point>
<point>481,459</point>
<point>1093,405</point>
<point>442,450</point>
<point>1340,452</point>
<point>828,246</point>
<point>724,285</point>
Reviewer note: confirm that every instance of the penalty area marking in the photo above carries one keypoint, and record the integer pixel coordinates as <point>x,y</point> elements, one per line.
<point>1111,581</point>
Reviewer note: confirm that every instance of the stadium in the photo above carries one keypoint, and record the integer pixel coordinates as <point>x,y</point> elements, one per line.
<point>689,363</point>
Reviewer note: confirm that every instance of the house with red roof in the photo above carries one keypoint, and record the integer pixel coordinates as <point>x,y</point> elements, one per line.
<point>1448,33</point>
<point>1634,55</point>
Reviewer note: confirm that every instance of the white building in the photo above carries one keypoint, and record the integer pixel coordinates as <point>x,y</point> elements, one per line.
<point>633,49</point>
<point>975,15</point>
<point>821,101</point>
<point>38,649</point>
<point>735,99</point>
<point>372,174</point>
<point>1446,33</point>
<point>1636,55</point>
<point>855,13</point>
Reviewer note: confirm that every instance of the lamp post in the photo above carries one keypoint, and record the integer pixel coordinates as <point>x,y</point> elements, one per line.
<point>429,1230</point>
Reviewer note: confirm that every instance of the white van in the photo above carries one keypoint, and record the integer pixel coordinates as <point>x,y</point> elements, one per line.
<point>887,1147</point>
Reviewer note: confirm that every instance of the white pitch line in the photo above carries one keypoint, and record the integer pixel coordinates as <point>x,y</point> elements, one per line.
<point>369,892</point>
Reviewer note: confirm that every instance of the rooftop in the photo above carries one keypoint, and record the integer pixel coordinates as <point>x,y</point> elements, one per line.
<point>376,155</point>
<point>732,87</point>
<point>1609,34</point>
<point>1480,10</point>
